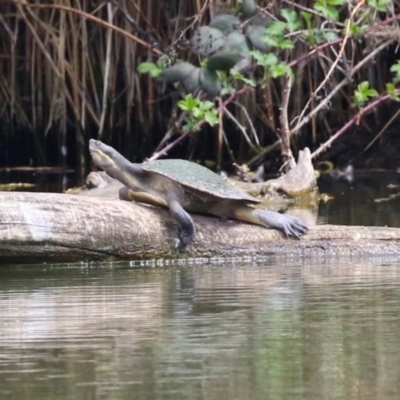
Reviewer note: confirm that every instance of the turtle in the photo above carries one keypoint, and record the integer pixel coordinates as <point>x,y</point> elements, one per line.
<point>185,187</point>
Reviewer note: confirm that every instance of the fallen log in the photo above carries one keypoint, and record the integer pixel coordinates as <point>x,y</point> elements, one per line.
<point>51,227</point>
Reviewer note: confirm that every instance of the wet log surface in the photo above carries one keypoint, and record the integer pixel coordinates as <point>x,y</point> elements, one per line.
<point>49,227</point>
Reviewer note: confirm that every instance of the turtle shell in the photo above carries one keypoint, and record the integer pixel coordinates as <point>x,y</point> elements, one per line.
<point>197,178</point>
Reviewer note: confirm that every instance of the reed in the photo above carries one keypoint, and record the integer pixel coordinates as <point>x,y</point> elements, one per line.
<point>69,72</point>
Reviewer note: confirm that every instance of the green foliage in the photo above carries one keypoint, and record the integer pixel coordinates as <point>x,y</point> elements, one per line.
<point>393,91</point>
<point>292,20</point>
<point>363,93</point>
<point>225,49</point>
<point>273,68</point>
<point>356,29</point>
<point>198,111</point>
<point>328,8</point>
<point>317,35</point>
<point>379,5</point>
<point>265,60</point>
<point>149,68</point>
<point>274,35</point>
<point>396,69</point>
<point>240,77</point>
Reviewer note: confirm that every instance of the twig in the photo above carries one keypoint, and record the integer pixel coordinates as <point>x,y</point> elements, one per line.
<point>338,41</point>
<point>333,66</point>
<point>171,130</point>
<point>382,131</point>
<point>240,126</point>
<point>196,18</point>
<point>355,119</point>
<point>264,151</point>
<point>288,160</point>
<point>222,106</point>
<point>135,25</point>
<point>252,129</point>
<point>323,104</point>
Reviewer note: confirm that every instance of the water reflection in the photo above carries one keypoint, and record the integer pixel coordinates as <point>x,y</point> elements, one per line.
<point>371,199</point>
<point>262,330</point>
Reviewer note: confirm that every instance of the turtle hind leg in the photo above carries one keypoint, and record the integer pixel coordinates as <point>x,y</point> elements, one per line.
<point>289,225</point>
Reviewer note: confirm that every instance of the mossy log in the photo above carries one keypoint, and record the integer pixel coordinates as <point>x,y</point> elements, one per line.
<point>49,227</point>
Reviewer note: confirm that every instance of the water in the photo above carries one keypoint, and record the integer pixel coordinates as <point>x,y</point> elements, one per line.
<point>300,330</point>
<point>306,330</point>
<point>372,199</point>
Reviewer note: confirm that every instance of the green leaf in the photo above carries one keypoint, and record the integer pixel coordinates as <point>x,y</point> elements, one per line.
<point>355,29</point>
<point>307,17</point>
<point>327,11</point>
<point>291,17</point>
<point>272,40</point>
<point>390,88</point>
<point>149,68</point>
<point>372,93</point>
<point>379,5</point>
<point>190,125</point>
<point>263,59</point>
<point>329,36</point>
<point>270,59</point>
<point>240,77</point>
<point>206,105</point>
<point>286,44</point>
<point>275,37</point>
<point>211,117</point>
<point>335,2</point>
<point>363,93</point>
<point>198,111</point>
<point>281,69</point>
<point>276,28</point>
<point>396,69</point>
<point>319,35</point>
<point>188,103</point>
<point>394,93</point>
<point>227,88</point>
<point>311,39</point>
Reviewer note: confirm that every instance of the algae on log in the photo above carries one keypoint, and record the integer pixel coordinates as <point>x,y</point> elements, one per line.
<point>50,227</point>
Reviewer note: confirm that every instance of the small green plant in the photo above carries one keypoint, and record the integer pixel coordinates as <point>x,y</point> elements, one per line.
<point>379,5</point>
<point>198,111</point>
<point>149,68</point>
<point>393,91</point>
<point>363,93</point>
<point>356,29</point>
<point>273,68</point>
<point>396,69</point>
<point>274,35</point>
<point>328,8</point>
<point>292,20</point>
<point>314,34</point>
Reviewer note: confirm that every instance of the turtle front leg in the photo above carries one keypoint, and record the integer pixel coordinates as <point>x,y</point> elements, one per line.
<point>186,232</point>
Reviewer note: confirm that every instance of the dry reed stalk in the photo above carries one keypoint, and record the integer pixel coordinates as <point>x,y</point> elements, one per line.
<point>70,71</point>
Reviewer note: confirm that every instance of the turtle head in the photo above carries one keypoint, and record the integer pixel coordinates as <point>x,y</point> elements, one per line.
<point>105,157</point>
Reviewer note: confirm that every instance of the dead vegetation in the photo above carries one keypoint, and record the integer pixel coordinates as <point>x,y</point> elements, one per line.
<point>69,72</point>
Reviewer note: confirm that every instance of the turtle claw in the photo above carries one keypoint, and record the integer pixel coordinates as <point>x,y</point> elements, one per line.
<point>292,226</point>
<point>186,236</point>
<point>289,225</point>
